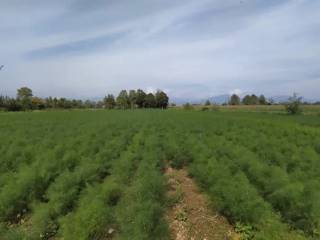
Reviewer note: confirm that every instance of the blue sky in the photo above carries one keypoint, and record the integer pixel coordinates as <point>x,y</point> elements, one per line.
<point>191,48</point>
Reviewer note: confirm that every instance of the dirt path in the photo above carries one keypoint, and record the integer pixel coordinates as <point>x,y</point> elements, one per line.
<point>190,217</point>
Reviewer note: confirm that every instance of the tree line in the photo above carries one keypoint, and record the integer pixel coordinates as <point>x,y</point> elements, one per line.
<point>249,100</point>
<point>25,100</point>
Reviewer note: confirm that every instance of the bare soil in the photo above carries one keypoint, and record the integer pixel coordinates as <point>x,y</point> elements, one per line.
<point>189,216</point>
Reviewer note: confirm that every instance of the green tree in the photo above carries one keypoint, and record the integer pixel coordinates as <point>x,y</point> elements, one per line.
<point>254,99</point>
<point>207,103</point>
<point>13,105</point>
<point>132,98</point>
<point>2,101</point>
<point>24,96</point>
<point>89,104</point>
<point>162,100</point>
<point>64,103</point>
<point>123,99</point>
<point>251,100</point>
<point>234,100</point>
<point>294,105</point>
<point>246,100</point>
<point>150,101</point>
<point>109,101</point>
<point>140,98</point>
<point>262,100</point>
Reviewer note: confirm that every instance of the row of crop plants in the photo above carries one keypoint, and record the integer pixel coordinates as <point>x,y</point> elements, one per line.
<point>116,186</point>
<point>285,170</point>
<point>240,182</point>
<point>50,184</point>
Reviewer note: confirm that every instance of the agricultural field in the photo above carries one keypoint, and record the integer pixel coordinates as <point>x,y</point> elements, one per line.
<point>101,174</point>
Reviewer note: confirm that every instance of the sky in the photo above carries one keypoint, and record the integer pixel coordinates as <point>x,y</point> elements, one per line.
<point>190,49</point>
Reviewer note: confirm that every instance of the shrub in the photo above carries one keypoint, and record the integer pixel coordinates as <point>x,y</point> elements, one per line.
<point>293,106</point>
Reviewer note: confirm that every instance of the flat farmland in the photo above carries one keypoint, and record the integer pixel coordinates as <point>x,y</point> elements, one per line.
<point>101,174</point>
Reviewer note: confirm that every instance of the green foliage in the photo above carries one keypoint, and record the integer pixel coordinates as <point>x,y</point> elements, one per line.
<point>293,106</point>
<point>109,101</point>
<point>150,101</point>
<point>123,100</point>
<point>126,99</point>
<point>245,231</point>
<point>162,99</point>
<point>234,100</point>
<point>253,100</point>
<point>94,213</point>
<point>140,98</point>
<point>79,174</point>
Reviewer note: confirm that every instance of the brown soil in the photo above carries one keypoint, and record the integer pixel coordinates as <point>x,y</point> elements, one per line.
<point>190,218</point>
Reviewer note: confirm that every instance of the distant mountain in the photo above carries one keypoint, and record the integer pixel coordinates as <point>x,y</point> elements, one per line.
<point>180,101</point>
<point>224,98</point>
<point>285,98</point>
<point>220,99</point>
<point>279,99</point>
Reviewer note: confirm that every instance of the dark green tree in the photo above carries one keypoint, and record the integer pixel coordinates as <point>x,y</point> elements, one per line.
<point>140,98</point>
<point>12,104</point>
<point>207,103</point>
<point>234,100</point>
<point>251,100</point>
<point>162,99</point>
<point>150,101</point>
<point>109,101</point>
<point>254,100</point>
<point>246,100</point>
<point>2,101</point>
<point>262,100</point>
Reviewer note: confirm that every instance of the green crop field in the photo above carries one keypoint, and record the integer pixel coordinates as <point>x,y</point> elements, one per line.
<point>77,175</point>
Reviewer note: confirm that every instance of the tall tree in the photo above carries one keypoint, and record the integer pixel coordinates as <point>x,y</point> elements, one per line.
<point>123,99</point>
<point>254,99</point>
<point>109,101</point>
<point>246,100</point>
<point>2,101</point>
<point>162,100</point>
<point>140,98</point>
<point>262,100</point>
<point>23,93</point>
<point>234,100</point>
<point>150,101</point>
<point>132,98</point>
<point>24,96</point>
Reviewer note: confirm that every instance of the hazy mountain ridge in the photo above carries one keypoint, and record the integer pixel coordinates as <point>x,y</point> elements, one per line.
<point>224,98</point>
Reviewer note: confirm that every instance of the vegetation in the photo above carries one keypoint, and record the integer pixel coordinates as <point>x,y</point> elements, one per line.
<point>134,99</point>
<point>293,106</point>
<point>99,175</point>
<point>234,100</point>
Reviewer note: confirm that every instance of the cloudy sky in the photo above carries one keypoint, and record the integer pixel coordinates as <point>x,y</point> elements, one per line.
<point>190,48</point>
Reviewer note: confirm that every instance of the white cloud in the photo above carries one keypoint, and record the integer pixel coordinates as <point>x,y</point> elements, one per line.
<point>236,91</point>
<point>195,48</point>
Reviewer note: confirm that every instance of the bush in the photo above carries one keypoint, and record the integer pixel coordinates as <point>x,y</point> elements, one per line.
<point>293,106</point>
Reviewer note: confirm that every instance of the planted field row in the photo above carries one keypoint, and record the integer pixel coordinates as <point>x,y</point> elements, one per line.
<point>99,175</point>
